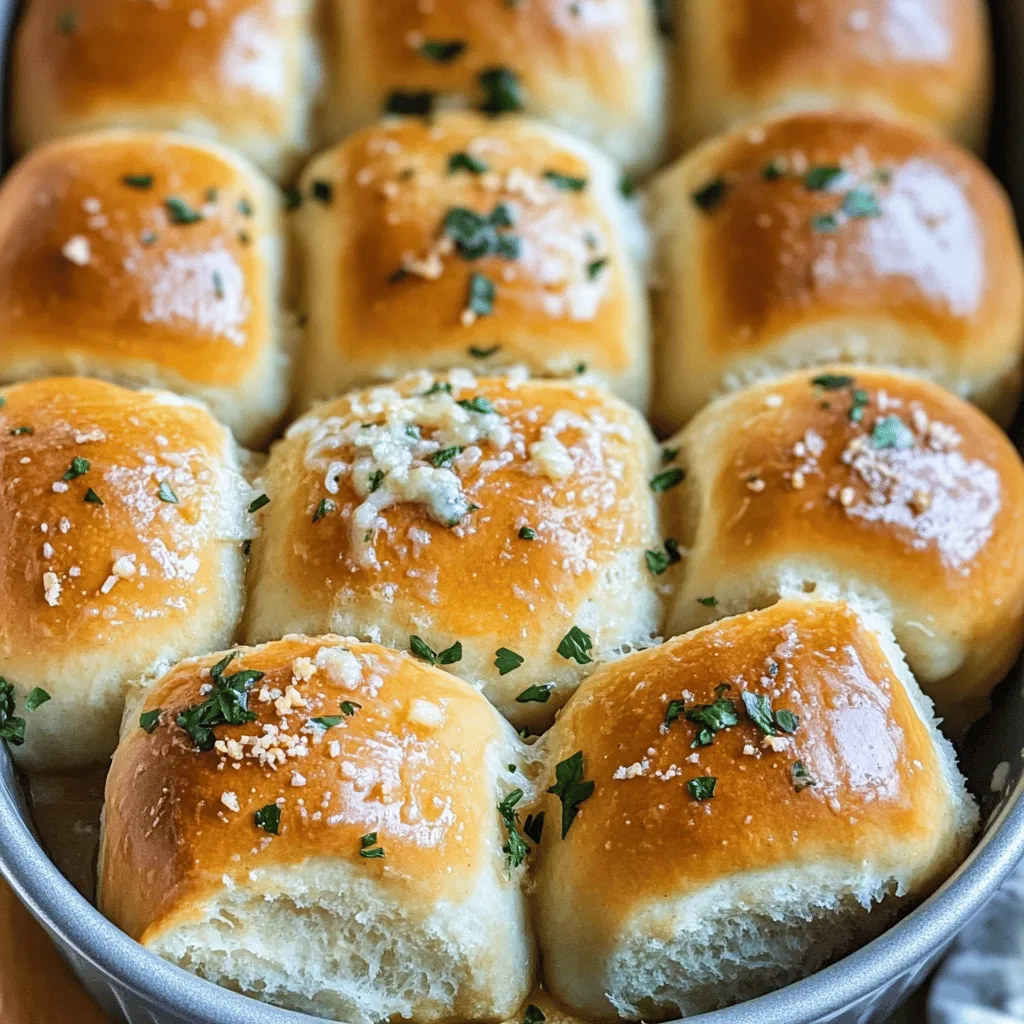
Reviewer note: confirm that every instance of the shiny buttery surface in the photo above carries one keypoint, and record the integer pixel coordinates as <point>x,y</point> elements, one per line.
<point>926,270</point>
<point>387,292</point>
<point>411,764</point>
<point>879,796</point>
<point>927,61</point>
<point>921,499</point>
<point>589,63</point>
<point>98,270</point>
<point>229,63</point>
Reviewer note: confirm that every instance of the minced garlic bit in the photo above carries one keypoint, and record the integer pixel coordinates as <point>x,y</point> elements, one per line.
<point>124,567</point>
<point>230,800</point>
<point>343,668</point>
<point>77,250</point>
<point>51,589</point>
<point>298,779</point>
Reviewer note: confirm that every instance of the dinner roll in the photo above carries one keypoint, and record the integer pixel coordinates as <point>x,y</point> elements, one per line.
<point>495,526</point>
<point>239,71</point>
<point>36,985</point>
<point>468,242</point>
<point>735,809</point>
<point>927,61</point>
<point>326,825</point>
<point>123,518</point>
<point>821,237</point>
<point>593,67</point>
<point>146,258</point>
<point>856,480</point>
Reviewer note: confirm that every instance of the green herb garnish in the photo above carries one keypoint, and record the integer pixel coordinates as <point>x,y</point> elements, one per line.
<point>710,196</point>
<point>565,182</point>
<point>269,819</point>
<point>257,503</point>
<point>227,704</point>
<point>575,646</point>
<point>37,698</point>
<point>702,788</point>
<point>78,467</point>
<point>368,847</point>
<point>571,788</point>
<point>137,180</point>
<point>466,162</point>
<point>515,849</point>
<point>667,479</point>
<point>502,92</point>
<point>442,51</point>
<point>165,493</point>
<point>539,693</point>
<point>149,720</point>
<point>506,661</point>
<point>180,212</point>
<point>450,656</point>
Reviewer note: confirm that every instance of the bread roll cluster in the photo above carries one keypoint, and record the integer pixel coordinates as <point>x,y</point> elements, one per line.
<point>461,696</point>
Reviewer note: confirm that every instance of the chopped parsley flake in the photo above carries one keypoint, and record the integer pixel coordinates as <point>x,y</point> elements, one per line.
<point>772,170</point>
<point>515,849</point>
<point>708,602</point>
<point>137,180</point>
<point>149,720</point>
<point>368,847</point>
<point>292,198</point>
<point>710,196</point>
<point>575,646</point>
<point>164,493</point>
<point>533,827</point>
<point>712,718</point>
<point>227,704</point>
<point>672,712</point>
<point>348,709</point>
<point>893,433</point>
<point>409,104</point>
<point>565,182</point>
<point>483,353</point>
<point>759,710</point>
<point>824,223</point>
<point>502,92</point>
<point>18,431</point>
<point>92,497</point>
<point>446,456</point>
<point>476,404</point>
<point>539,693</point>
<point>325,507</point>
<point>322,191</point>
<point>476,235</point>
<point>594,267</point>
<point>818,179</point>
<point>832,381</point>
<point>802,778</point>
<point>450,656</point>
<point>12,728</point>
<point>860,401</point>
<point>527,533</point>
<point>667,479</point>
<point>482,294</point>
<point>657,562</point>
<point>466,162</point>
<point>702,788</point>
<point>269,819</point>
<point>78,467</point>
<point>37,698</point>
<point>442,51</point>
<point>861,202</point>
<point>669,455</point>
<point>506,661</point>
<point>180,212</point>
<point>627,186</point>
<point>571,788</point>
<point>257,503</point>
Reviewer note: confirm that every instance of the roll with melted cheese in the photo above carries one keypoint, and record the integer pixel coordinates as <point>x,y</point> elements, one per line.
<point>496,526</point>
<point>734,809</point>
<point>320,824</point>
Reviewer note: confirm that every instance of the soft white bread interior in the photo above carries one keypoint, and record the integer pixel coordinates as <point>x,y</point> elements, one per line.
<point>596,70</point>
<point>339,848</point>
<point>756,799</point>
<point>469,241</point>
<point>929,63</point>
<point>859,481</point>
<point>123,518</point>
<point>149,259</point>
<point>496,525</point>
<point>243,72</point>
<point>829,237</point>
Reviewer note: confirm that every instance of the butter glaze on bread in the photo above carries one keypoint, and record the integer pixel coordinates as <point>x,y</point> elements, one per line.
<point>387,290</point>
<point>239,71</point>
<point>592,67</point>
<point>148,259</point>
<point>918,506</point>
<point>405,511</point>
<point>767,260</point>
<point>123,519</point>
<point>433,928</point>
<point>928,62</point>
<point>657,904</point>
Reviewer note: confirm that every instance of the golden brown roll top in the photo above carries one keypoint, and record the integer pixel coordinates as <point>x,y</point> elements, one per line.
<point>594,67</point>
<point>320,785</point>
<point>37,986</point>
<point>240,71</point>
<point>757,798</point>
<point>468,242</point>
<point>497,525</point>
<point>123,520</point>
<point>148,259</point>
<point>828,237</point>
<point>862,481</point>
<point>928,62</point>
